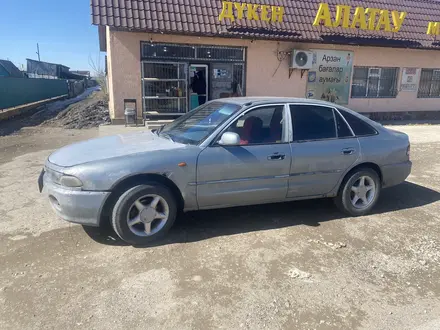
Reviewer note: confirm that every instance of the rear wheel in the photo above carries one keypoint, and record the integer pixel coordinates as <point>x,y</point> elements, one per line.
<point>359,192</point>
<point>144,213</point>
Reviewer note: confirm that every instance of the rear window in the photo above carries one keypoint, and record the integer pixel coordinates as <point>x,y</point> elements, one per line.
<point>359,127</point>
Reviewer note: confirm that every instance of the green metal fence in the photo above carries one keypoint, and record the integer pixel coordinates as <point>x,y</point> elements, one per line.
<point>18,91</point>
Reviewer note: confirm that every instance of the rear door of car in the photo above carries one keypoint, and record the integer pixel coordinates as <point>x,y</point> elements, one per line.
<point>256,172</point>
<point>323,148</point>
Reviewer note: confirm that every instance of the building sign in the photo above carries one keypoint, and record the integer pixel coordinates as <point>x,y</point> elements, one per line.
<point>329,79</point>
<point>250,11</point>
<point>433,28</point>
<point>410,80</point>
<point>372,19</point>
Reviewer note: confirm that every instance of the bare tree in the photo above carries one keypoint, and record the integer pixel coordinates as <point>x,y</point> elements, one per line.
<point>99,72</point>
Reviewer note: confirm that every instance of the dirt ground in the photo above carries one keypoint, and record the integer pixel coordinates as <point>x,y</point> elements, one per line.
<point>298,265</point>
<point>87,110</point>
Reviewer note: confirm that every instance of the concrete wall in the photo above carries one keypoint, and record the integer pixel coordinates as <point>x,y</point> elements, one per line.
<point>125,69</point>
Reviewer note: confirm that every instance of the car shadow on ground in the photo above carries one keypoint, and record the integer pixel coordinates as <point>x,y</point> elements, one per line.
<point>201,225</point>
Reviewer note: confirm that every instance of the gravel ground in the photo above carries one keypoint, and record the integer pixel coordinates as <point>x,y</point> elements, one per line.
<point>286,266</point>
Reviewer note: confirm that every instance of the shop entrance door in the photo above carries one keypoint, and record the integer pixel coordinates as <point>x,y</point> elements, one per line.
<point>198,75</point>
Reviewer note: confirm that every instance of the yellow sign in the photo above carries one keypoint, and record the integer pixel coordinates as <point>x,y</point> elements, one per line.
<point>433,28</point>
<point>373,19</point>
<point>253,12</point>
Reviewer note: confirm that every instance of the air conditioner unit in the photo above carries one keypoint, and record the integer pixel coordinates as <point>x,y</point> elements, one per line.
<point>301,59</point>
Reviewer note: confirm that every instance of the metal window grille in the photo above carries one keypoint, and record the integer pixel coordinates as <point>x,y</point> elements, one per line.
<point>238,80</point>
<point>374,82</point>
<point>220,53</point>
<point>429,85</point>
<point>153,50</point>
<point>164,87</point>
<point>165,73</point>
<point>192,52</point>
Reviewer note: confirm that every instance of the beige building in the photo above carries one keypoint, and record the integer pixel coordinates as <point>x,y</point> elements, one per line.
<point>155,53</point>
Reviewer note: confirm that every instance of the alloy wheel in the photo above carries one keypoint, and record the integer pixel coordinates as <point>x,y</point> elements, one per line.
<point>363,192</point>
<point>148,215</point>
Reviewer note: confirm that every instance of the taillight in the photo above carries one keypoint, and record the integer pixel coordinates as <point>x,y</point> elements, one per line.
<point>408,150</point>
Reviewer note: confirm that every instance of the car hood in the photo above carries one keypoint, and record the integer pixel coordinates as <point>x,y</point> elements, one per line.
<point>110,147</point>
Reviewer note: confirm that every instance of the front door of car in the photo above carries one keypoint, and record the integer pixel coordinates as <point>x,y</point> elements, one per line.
<point>256,170</point>
<point>323,148</point>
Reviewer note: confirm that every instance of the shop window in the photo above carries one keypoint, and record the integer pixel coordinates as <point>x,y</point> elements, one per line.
<point>166,75</point>
<point>359,127</point>
<point>429,83</point>
<point>312,122</point>
<point>220,53</point>
<point>165,105</point>
<point>374,82</point>
<point>164,87</point>
<point>154,50</point>
<point>190,52</point>
<point>159,70</point>
<point>238,80</point>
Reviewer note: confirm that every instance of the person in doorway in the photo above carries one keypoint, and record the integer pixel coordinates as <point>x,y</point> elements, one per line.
<point>198,85</point>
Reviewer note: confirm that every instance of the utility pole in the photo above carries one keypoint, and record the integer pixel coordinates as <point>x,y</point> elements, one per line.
<point>38,52</point>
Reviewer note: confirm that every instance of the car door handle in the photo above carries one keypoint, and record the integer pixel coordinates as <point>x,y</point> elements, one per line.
<point>276,156</point>
<point>348,151</point>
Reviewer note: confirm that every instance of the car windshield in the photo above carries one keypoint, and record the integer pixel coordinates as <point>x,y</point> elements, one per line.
<point>198,124</point>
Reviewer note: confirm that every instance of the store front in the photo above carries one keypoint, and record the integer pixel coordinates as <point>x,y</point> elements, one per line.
<point>178,78</point>
<point>382,62</point>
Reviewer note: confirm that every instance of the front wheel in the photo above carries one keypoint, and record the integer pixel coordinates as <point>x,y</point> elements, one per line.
<point>359,192</point>
<point>144,213</point>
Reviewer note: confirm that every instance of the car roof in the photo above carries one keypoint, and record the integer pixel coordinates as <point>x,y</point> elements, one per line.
<point>270,99</point>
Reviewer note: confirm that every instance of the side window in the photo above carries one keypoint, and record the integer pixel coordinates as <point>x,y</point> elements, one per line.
<point>341,125</point>
<point>359,127</point>
<point>312,122</point>
<point>260,126</point>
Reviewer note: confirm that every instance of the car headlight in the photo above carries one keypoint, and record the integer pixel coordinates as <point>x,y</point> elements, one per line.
<point>62,179</point>
<point>70,181</point>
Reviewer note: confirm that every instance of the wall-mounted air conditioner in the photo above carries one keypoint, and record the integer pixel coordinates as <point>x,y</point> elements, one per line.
<point>301,59</point>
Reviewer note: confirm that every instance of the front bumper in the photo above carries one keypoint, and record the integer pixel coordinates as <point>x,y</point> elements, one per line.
<point>74,205</point>
<point>395,174</point>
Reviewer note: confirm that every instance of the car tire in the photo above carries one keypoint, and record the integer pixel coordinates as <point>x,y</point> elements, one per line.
<point>144,213</point>
<point>357,199</point>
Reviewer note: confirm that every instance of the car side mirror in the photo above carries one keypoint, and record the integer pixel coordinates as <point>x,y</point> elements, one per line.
<point>229,139</point>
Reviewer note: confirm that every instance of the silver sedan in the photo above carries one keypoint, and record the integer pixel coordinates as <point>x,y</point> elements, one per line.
<point>225,153</point>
